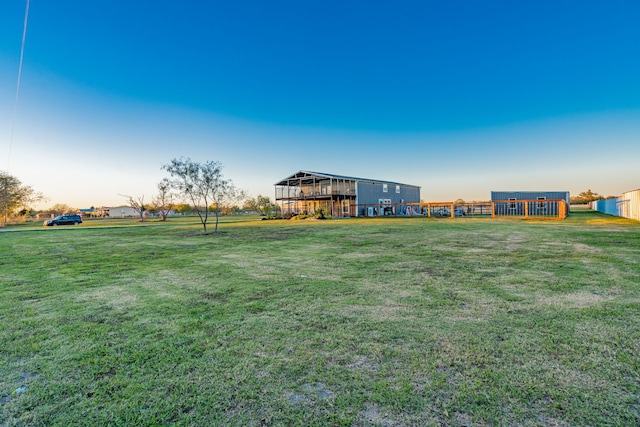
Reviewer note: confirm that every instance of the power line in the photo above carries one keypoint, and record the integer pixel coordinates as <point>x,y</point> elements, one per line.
<point>15,104</point>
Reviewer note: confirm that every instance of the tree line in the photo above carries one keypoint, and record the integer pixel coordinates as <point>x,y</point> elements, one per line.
<point>587,196</point>
<point>192,187</point>
<point>15,197</point>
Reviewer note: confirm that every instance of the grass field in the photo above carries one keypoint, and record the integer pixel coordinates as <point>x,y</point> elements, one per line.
<point>376,322</point>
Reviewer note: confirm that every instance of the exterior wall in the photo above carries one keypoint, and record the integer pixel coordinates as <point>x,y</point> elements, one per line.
<point>632,201</point>
<point>609,206</point>
<point>370,193</point>
<point>122,212</point>
<point>626,206</point>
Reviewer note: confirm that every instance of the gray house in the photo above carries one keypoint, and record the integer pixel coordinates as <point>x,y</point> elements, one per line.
<point>344,196</point>
<point>530,203</point>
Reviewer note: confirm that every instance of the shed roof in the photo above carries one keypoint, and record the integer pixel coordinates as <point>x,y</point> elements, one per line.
<point>308,177</point>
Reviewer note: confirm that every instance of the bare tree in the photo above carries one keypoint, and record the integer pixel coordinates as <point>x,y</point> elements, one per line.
<point>203,184</point>
<point>137,203</point>
<point>163,202</point>
<point>223,198</point>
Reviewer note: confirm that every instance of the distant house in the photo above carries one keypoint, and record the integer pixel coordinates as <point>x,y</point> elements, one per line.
<point>343,196</point>
<point>121,212</point>
<point>530,203</point>
<point>99,212</point>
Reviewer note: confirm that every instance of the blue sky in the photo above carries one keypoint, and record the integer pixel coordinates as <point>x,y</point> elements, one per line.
<point>459,97</point>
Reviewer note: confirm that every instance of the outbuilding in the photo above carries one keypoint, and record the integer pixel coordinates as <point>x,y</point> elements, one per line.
<point>530,203</point>
<point>344,196</point>
<point>627,205</point>
<point>121,212</point>
<point>631,204</point>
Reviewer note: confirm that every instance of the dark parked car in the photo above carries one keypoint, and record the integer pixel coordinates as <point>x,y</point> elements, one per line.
<point>64,220</point>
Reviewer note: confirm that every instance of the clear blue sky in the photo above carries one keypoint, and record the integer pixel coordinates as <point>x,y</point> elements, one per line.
<point>459,97</point>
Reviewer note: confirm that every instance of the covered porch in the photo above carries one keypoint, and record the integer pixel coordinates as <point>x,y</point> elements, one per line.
<point>307,192</point>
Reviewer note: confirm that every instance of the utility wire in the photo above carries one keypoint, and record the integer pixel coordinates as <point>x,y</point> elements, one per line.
<point>15,105</point>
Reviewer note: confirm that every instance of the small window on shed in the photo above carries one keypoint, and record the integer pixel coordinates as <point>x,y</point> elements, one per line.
<point>397,189</point>
<point>512,205</point>
<point>541,202</point>
<point>385,188</point>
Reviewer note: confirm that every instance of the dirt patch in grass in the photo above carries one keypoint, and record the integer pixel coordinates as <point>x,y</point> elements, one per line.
<point>514,241</point>
<point>200,234</point>
<point>477,312</point>
<point>582,248</point>
<point>362,362</point>
<point>164,283</point>
<point>115,297</point>
<point>379,312</point>
<point>372,415</point>
<point>574,300</point>
<point>356,255</point>
<point>476,250</point>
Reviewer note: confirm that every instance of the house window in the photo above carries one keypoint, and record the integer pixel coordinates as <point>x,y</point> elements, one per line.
<point>385,188</point>
<point>512,205</point>
<point>397,189</point>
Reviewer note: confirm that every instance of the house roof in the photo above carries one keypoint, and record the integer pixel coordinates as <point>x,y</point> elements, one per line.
<point>308,177</point>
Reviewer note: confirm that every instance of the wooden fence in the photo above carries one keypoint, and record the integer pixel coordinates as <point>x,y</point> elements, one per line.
<point>525,209</point>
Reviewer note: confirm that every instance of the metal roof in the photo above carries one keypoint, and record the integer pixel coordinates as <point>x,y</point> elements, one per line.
<point>307,177</point>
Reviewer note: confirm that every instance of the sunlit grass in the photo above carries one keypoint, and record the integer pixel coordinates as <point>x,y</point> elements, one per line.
<point>347,322</point>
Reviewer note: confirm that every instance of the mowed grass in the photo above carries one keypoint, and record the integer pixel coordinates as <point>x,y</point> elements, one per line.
<point>362,322</point>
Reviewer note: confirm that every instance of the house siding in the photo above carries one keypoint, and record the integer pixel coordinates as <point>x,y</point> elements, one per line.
<point>626,206</point>
<point>609,206</point>
<point>371,193</point>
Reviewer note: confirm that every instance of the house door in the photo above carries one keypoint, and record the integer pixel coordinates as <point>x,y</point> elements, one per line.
<point>346,205</point>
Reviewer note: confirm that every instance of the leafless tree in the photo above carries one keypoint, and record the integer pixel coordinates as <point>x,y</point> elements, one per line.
<point>203,184</point>
<point>137,203</point>
<point>163,201</point>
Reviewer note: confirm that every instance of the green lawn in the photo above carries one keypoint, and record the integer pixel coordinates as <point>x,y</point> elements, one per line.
<point>364,322</point>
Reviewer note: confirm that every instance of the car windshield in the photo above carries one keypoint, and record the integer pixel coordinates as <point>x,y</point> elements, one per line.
<point>58,217</point>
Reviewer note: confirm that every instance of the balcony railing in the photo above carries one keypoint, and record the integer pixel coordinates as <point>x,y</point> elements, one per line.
<point>283,193</point>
